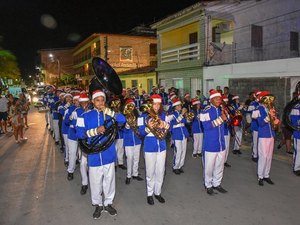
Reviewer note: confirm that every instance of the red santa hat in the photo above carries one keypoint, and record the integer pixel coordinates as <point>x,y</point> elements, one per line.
<point>129,101</point>
<point>62,94</point>
<point>225,99</point>
<point>195,101</point>
<point>262,94</point>
<point>187,95</point>
<point>172,95</point>
<point>83,97</point>
<point>156,98</point>
<point>257,92</point>
<point>213,93</point>
<point>176,102</point>
<point>76,96</point>
<point>98,93</point>
<point>68,94</point>
<point>235,97</point>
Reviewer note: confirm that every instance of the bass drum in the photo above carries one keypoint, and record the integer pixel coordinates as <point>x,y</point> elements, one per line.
<point>286,118</point>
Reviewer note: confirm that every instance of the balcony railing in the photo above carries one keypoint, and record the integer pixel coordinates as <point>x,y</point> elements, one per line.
<point>187,52</point>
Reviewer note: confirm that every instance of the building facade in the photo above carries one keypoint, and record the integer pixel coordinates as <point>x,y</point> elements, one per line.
<point>264,52</point>
<point>55,63</point>
<point>122,52</point>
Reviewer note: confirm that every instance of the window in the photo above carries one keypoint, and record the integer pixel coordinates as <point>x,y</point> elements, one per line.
<point>178,84</point>
<point>216,35</point>
<point>294,41</point>
<point>134,83</point>
<point>150,84</point>
<point>153,49</point>
<point>256,36</point>
<point>126,53</point>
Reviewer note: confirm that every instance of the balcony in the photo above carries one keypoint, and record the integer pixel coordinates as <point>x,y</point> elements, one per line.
<point>187,52</point>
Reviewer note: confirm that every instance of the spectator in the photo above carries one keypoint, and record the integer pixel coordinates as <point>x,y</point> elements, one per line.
<point>3,113</point>
<point>228,95</point>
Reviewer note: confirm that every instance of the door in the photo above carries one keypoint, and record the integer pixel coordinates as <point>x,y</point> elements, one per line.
<point>196,84</point>
<point>209,85</point>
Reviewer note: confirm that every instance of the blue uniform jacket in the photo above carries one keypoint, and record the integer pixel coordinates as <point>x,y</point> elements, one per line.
<point>213,129</point>
<point>295,119</point>
<point>52,106</point>
<point>130,138</point>
<point>68,120</point>
<point>177,126</point>
<point>151,143</point>
<point>196,124</point>
<point>264,126</point>
<point>90,120</point>
<point>254,113</point>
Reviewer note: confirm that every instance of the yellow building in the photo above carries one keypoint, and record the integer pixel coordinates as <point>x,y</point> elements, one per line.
<point>122,52</point>
<point>143,78</point>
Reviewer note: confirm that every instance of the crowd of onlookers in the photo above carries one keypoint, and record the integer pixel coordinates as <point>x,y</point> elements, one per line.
<point>13,115</point>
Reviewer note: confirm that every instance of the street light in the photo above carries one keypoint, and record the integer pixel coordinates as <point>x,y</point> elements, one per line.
<point>51,56</point>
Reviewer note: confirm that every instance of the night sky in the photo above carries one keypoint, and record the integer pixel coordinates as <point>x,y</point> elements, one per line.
<point>29,25</point>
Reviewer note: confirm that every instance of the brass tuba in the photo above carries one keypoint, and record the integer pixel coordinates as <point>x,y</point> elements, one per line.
<point>105,79</point>
<point>286,118</point>
<point>131,118</point>
<point>156,130</point>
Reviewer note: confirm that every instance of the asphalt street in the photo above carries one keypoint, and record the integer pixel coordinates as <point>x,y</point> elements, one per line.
<point>34,189</point>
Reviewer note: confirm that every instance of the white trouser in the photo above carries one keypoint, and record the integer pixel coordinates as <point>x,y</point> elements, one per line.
<point>155,171</point>
<point>238,131</point>
<point>227,143</point>
<point>296,155</point>
<point>56,130</point>
<point>51,121</point>
<point>213,163</point>
<point>47,116</point>
<point>102,180</point>
<point>198,142</point>
<point>133,158</point>
<point>65,136</point>
<point>120,150</point>
<point>265,154</point>
<point>83,169</point>
<point>72,155</point>
<point>254,144</point>
<point>179,153</point>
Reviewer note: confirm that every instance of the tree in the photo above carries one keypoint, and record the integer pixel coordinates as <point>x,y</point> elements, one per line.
<point>68,79</point>
<point>8,66</point>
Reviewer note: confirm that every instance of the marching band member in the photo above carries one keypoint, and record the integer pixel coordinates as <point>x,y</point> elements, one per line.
<point>164,96</point>
<point>58,106</point>
<point>169,107</point>
<point>179,135</point>
<point>132,142</point>
<point>55,117</point>
<point>64,128</point>
<point>51,102</point>
<point>236,110</point>
<point>213,157</point>
<point>266,136</point>
<point>137,98</point>
<point>84,107</point>
<point>154,149</point>
<point>295,119</point>
<point>226,133</point>
<point>119,140</point>
<point>197,129</point>
<point>102,164</point>
<point>72,138</point>
<point>254,125</point>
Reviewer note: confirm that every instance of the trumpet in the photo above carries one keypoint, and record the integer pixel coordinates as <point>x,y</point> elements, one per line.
<point>268,100</point>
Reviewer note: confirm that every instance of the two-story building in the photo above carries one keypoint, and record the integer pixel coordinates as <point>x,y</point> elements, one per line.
<point>264,53</point>
<point>122,52</point>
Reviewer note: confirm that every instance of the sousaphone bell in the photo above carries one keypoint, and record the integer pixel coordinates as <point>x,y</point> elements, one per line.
<point>107,80</point>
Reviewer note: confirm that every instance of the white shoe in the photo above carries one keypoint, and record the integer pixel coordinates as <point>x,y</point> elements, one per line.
<point>24,139</point>
<point>17,141</point>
